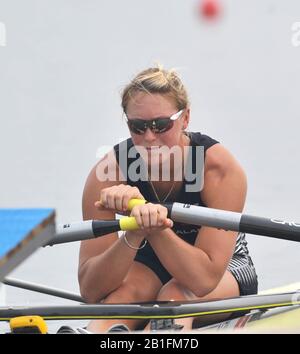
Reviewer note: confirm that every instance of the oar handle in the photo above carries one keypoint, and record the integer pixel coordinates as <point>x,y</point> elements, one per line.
<point>85,230</point>
<point>128,223</point>
<point>133,202</point>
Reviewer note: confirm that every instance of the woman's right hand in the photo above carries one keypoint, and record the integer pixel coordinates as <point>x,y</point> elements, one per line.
<point>117,197</point>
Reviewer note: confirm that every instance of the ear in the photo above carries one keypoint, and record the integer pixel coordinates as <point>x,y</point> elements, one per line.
<point>186,119</point>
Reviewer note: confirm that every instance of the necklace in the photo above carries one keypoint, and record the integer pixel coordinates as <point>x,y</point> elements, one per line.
<point>173,185</point>
<point>166,196</point>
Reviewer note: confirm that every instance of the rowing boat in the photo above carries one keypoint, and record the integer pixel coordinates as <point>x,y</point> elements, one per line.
<point>274,310</point>
<point>273,320</point>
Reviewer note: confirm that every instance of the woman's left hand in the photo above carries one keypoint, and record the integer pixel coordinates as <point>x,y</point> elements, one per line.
<point>151,217</point>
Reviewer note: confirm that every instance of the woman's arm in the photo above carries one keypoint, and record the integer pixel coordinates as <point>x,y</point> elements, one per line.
<point>104,261</point>
<point>201,267</point>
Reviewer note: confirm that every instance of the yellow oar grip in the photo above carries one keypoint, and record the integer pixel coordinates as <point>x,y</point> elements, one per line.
<point>128,223</point>
<point>133,202</point>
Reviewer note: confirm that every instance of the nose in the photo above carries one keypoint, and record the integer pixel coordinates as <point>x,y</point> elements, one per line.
<point>149,136</point>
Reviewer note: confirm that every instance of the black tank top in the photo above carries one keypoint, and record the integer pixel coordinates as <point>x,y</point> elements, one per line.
<point>185,231</point>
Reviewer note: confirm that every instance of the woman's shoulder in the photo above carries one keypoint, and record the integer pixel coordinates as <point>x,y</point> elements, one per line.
<point>221,160</point>
<point>200,139</point>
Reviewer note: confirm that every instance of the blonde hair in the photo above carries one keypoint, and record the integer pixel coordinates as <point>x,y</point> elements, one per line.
<point>157,80</point>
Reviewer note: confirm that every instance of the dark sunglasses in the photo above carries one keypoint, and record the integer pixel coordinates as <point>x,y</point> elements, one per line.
<point>157,125</point>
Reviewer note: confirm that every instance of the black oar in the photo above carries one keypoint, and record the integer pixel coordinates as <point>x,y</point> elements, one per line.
<point>233,221</point>
<point>43,289</point>
<point>184,213</point>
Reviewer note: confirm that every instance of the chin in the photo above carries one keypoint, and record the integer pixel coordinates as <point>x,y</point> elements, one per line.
<point>159,163</point>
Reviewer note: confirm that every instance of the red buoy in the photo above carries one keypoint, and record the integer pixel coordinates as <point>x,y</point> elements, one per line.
<point>210,9</point>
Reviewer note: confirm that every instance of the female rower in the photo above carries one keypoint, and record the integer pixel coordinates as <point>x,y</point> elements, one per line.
<point>163,260</point>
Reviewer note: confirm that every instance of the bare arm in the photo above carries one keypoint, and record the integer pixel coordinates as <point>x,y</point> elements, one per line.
<point>105,261</point>
<point>201,267</point>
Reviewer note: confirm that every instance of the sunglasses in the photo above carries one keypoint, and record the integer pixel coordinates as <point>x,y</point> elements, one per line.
<point>157,125</point>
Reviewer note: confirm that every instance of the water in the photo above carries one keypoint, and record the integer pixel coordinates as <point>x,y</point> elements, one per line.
<point>61,72</point>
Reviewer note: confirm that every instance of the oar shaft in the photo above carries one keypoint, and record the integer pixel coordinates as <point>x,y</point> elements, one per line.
<point>228,220</point>
<point>43,289</point>
<point>275,228</point>
<point>197,215</point>
<point>85,230</point>
<point>75,231</point>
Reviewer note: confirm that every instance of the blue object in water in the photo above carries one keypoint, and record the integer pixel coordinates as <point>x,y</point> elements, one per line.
<point>22,231</point>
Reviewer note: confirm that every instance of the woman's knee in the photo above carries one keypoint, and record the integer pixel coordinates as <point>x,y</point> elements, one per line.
<point>173,291</point>
<point>132,290</point>
<point>126,292</point>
